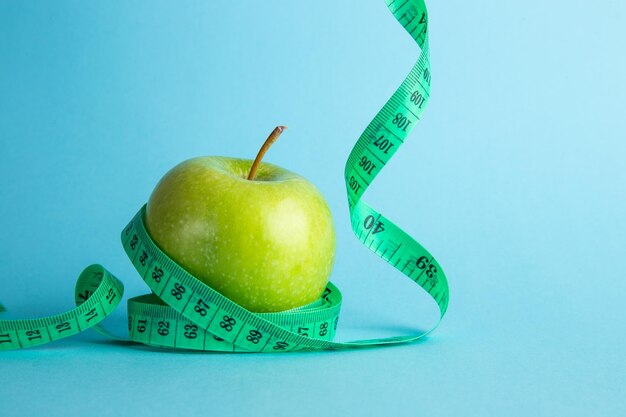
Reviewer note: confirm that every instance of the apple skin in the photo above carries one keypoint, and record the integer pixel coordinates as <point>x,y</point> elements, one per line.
<point>267,244</point>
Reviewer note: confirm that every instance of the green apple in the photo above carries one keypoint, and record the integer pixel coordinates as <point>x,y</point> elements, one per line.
<point>267,243</point>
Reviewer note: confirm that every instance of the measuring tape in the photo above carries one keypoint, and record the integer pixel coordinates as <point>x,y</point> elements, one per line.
<point>183,312</point>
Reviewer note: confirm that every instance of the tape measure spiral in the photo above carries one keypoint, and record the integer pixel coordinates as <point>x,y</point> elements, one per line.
<point>182,312</point>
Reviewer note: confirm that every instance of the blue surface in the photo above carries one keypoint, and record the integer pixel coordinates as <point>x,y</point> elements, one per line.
<point>514,180</point>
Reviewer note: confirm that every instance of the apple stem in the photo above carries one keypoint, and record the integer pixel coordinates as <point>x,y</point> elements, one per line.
<point>273,137</point>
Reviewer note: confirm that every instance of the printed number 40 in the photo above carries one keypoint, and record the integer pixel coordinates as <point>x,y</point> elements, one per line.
<point>371,223</point>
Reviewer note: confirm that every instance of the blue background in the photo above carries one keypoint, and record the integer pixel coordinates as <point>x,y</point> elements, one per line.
<point>514,180</point>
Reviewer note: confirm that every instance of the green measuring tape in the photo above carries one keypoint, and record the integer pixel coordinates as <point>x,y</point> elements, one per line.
<point>185,313</point>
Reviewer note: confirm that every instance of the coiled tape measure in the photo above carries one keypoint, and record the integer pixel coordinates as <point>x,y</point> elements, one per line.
<point>191,315</point>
